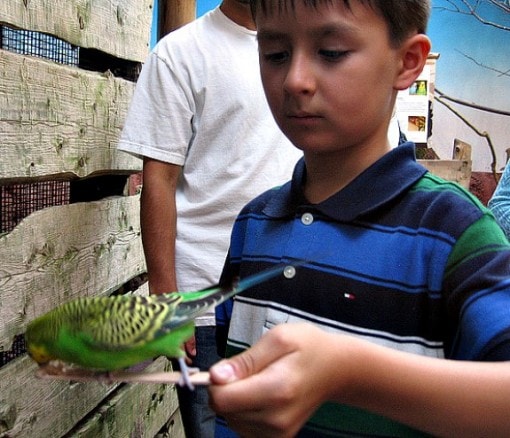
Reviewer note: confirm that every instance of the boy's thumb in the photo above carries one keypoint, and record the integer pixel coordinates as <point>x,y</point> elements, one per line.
<point>222,372</point>
<point>230,370</point>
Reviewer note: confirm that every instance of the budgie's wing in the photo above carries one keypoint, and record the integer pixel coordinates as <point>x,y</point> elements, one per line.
<point>122,322</point>
<point>115,323</point>
<point>194,304</point>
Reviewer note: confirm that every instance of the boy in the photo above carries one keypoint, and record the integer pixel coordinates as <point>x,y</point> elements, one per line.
<point>394,255</point>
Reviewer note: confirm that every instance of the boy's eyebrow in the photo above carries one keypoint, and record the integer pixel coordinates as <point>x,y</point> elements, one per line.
<point>321,31</point>
<point>268,35</point>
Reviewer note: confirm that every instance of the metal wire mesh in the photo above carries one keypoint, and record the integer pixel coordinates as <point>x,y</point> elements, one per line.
<point>18,348</point>
<point>17,201</point>
<point>38,44</point>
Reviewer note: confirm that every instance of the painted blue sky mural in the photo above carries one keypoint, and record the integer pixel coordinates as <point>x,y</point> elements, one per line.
<point>205,5</point>
<point>474,66</point>
<point>474,56</point>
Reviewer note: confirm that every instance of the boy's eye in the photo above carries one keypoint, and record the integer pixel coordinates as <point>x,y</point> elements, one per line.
<point>279,57</point>
<point>276,57</point>
<point>333,55</point>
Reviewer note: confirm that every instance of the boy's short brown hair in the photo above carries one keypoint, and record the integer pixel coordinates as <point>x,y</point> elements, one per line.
<point>404,17</point>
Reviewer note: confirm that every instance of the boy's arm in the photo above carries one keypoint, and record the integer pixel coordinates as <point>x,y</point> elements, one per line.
<point>275,386</point>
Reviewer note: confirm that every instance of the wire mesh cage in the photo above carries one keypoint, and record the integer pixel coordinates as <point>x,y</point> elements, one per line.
<point>18,348</point>
<point>17,201</point>
<point>27,42</point>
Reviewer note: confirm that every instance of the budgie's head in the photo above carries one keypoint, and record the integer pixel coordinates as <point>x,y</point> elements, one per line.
<point>40,333</point>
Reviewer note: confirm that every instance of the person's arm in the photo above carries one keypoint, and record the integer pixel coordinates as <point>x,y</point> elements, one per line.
<point>499,204</point>
<point>158,217</point>
<point>274,387</point>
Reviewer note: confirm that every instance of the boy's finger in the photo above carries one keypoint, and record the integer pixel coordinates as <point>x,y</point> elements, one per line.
<point>251,361</point>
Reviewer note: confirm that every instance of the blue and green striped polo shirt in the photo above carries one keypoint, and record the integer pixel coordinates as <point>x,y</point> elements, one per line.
<point>399,257</point>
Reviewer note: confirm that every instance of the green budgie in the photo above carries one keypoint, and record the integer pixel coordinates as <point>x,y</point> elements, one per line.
<point>112,333</point>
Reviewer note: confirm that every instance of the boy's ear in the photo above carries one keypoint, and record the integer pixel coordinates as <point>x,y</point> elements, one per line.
<point>414,53</point>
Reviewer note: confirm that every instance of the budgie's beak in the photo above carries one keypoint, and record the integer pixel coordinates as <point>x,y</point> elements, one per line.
<point>39,354</point>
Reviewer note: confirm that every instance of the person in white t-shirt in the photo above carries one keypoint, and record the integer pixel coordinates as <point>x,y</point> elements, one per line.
<point>200,120</point>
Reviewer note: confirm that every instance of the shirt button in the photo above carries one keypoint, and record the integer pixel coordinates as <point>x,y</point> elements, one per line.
<point>289,272</point>
<point>307,219</point>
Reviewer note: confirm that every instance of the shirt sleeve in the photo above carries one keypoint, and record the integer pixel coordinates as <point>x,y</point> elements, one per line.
<point>499,204</point>
<point>478,283</point>
<point>159,120</point>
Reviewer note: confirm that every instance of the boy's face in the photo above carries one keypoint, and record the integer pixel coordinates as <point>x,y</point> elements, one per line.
<point>328,73</point>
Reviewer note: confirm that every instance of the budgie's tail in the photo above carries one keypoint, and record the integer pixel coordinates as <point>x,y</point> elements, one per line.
<point>194,304</point>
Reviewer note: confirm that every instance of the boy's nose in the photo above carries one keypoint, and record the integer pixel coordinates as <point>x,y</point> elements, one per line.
<point>300,78</point>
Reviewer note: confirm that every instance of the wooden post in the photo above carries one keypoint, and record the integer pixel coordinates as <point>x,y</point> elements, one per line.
<point>175,13</point>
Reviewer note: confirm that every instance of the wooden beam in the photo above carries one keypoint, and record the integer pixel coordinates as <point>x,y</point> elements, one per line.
<point>65,252</point>
<point>136,410</point>
<point>120,28</point>
<point>32,407</point>
<point>176,13</point>
<point>56,119</point>
<point>458,171</point>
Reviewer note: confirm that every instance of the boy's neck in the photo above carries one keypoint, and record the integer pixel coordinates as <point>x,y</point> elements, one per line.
<point>239,12</point>
<point>327,174</point>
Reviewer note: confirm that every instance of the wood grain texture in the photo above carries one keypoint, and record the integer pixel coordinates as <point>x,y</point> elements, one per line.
<point>61,253</point>
<point>458,171</point>
<point>31,407</point>
<point>117,27</point>
<point>60,120</point>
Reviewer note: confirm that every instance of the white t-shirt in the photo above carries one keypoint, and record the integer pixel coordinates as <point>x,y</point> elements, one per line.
<point>199,103</point>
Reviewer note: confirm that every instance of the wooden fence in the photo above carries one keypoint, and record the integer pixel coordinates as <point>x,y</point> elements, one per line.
<point>61,123</point>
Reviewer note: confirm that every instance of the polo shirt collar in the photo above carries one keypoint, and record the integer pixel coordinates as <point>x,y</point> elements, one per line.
<point>383,181</point>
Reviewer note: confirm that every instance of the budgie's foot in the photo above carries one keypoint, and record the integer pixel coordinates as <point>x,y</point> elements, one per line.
<point>186,372</point>
<point>106,378</point>
<point>57,365</point>
<point>54,367</point>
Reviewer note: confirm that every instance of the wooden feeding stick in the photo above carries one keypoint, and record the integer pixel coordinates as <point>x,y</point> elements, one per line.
<point>53,372</point>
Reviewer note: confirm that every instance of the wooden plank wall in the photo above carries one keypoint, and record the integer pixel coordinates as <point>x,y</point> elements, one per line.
<point>62,123</point>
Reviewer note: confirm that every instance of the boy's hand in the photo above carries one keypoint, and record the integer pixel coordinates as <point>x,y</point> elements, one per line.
<point>274,387</point>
